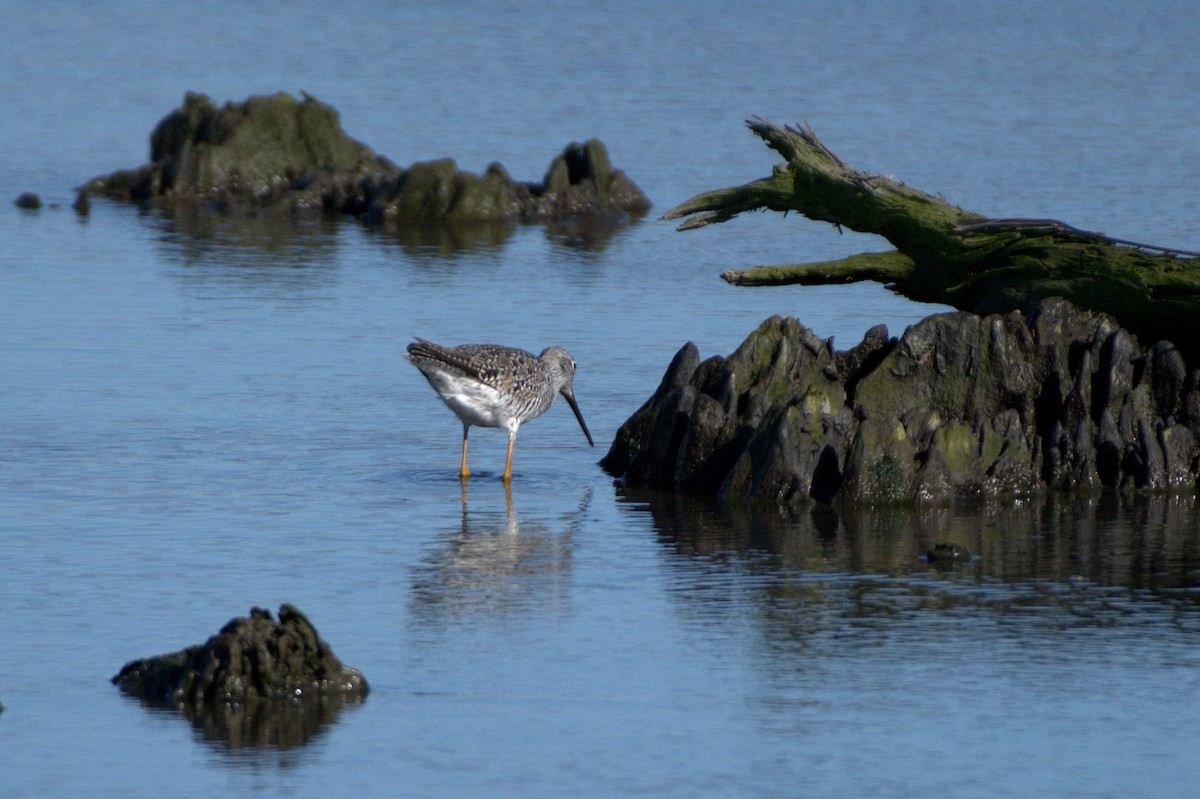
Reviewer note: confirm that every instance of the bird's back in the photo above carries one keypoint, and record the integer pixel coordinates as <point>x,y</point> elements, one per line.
<point>486,384</point>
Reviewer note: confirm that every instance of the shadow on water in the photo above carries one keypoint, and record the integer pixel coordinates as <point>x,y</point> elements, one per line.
<point>496,565</point>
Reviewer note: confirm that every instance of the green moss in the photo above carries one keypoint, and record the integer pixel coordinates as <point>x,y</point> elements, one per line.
<point>991,446</point>
<point>489,197</point>
<point>426,191</point>
<point>254,149</point>
<point>886,479</point>
<point>884,267</point>
<point>957,444</point>
<point>577,162</point>
<point>879,464</point>
<point>597,164</point>
<point>273,140</point>
<point>755,355</point>
<point>817,402</point>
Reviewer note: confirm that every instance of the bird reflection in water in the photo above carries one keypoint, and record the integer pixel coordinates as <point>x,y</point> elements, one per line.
<point>497,565</point>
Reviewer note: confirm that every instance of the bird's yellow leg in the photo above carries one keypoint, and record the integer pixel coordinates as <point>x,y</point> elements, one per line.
<point>512,439</point>
<point>463,471</point>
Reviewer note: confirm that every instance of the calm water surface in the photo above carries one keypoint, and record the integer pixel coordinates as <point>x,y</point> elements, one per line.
<point>200,415</point>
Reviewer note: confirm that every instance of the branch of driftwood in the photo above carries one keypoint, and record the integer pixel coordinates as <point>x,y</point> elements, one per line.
<point>952,256</point>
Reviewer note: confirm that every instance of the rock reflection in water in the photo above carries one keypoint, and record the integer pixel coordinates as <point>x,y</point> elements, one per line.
<point>496,565</point>
<point>198,235</point>
<point>257,683</point>
<point>584,234</point>
<point>833,583</point>
<point>437,239</point>
<point>1142,542</point>
<point>214,253</point>
<point>260,725</point>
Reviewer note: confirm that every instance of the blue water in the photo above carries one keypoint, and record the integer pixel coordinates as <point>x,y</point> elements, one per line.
<point>198,416</point>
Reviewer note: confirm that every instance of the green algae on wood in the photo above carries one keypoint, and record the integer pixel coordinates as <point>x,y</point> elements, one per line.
<point>949,255</point>
<point>883,267</point>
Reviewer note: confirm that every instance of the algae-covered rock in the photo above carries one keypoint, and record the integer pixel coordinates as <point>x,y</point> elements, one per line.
<point>261,152</point>
<point>286,154</point>
<point>581,181</point>
<point>726,425</point>
<point>1060,399</point>
<point>648,443</point>
<point>250,659</point>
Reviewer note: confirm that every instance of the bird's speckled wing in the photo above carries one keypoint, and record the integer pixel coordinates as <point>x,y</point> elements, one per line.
<point>502,368</point>
<point>422,350</point>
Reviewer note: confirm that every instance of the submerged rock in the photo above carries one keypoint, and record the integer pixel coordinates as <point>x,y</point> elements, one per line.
<point>279,153</point>
<point>251,659</point>
<point>948,555</point>
<point>959,405</point>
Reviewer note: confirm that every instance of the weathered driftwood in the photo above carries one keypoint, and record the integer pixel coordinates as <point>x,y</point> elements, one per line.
<point>948,255</point>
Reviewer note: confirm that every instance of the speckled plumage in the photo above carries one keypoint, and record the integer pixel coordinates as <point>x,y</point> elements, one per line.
<point>488,385</point>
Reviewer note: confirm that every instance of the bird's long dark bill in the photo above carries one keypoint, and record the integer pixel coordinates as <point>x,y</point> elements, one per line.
<point>579,416</point>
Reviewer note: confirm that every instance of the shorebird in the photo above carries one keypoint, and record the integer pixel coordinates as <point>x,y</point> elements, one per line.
<point>488,385</point>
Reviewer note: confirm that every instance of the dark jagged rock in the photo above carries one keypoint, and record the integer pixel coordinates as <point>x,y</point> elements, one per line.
<point>251,659</point>
<point>280,153</point>
<point>959,405</point>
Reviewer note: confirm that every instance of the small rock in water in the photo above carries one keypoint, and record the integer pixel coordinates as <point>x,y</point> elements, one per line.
<point>948,554</point>
<point>257,682</point>
<point>29,201</point>
<point>251,658</point>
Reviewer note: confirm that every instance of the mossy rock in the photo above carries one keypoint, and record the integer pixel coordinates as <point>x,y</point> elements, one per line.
<point>252,658</point>
<point>280,153</point>
<point>958,406</point>
<point>252,153</point>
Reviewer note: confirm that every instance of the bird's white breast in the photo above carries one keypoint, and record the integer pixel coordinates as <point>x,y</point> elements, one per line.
<point>473,402</point>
